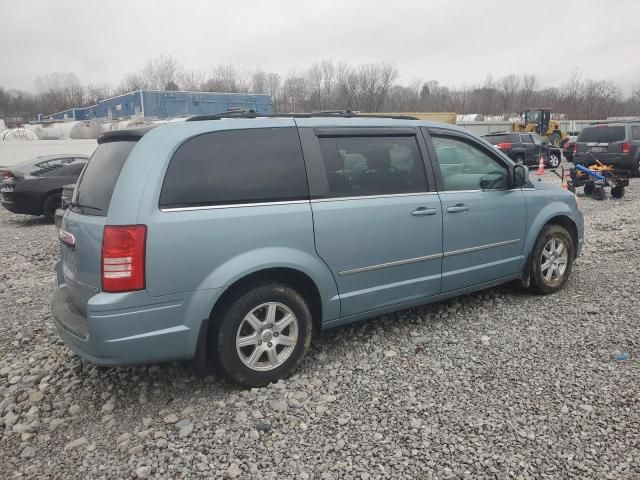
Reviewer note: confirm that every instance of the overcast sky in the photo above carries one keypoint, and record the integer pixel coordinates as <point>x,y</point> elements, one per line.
<point>453,41</point>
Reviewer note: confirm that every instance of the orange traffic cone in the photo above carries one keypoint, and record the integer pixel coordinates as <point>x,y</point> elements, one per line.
<point>541,166</point>
<point>565,184</point>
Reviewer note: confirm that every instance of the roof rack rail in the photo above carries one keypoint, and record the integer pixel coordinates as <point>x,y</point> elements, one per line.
<point>326,113</point>
<point>625,120</point>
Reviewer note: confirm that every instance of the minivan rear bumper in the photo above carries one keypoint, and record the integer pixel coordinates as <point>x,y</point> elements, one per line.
<point>132,328</point>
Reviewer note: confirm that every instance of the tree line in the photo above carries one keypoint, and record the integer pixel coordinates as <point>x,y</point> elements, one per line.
<point>329,85</point>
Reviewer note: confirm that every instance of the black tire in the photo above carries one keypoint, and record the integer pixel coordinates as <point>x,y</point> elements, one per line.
<point>228,322</point>
<point>50,205</point>
<point>539,283</point>
<point>617,192</point>
<point>598,193</point>
<point>588,188</point>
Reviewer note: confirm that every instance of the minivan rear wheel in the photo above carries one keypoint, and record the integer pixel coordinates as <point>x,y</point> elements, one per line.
<point>552,259</point>
<point>261,334</point>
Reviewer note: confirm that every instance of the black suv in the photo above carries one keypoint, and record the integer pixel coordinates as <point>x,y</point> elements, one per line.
<point>526,148</point>
<point>614,143</point>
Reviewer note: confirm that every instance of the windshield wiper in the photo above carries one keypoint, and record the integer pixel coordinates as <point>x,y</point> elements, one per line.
<point>79,205</point>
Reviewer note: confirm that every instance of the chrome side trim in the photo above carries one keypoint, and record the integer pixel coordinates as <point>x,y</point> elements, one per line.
<point>445,192</point>
<point>488,190</point>
<point>232,205</point>
<point>480,247</point>
<point>339,199</point>
<point>391,264</point>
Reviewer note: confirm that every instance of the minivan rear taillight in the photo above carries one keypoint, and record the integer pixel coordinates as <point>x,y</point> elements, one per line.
<point>626,147</point>
<point>123,251</point>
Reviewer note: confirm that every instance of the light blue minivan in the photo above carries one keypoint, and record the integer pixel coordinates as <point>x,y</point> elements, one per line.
<point>230,240</point>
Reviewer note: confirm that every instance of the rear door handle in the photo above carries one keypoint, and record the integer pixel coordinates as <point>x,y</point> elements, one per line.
<point>420,211</point>
<point>460,207</point>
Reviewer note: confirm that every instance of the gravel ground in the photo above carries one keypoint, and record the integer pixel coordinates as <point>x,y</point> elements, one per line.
<point>499,384</point>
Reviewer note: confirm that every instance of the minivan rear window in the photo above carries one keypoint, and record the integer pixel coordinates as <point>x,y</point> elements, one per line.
<point>602,134</point>
<point>95,187</point>
<point>236,166</point>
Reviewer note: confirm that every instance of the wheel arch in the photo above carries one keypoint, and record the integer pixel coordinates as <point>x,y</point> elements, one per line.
<point>296,279</point>
<point>560,219</point>
<point>45,196</point>
<point>569,225</point>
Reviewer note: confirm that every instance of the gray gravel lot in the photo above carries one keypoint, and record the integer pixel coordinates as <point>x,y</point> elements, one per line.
<point>499,384</point>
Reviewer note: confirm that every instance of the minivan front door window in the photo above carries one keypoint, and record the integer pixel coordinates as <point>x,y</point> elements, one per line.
<point>465,167</point>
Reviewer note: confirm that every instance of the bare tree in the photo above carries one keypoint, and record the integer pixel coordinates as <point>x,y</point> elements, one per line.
<point>226,78</point>
<point>192,80</point>
<point>327,85</point>
<point>60,91</point>
<point>509,87</point>
<point>97,92</point>
<point>161,72</point>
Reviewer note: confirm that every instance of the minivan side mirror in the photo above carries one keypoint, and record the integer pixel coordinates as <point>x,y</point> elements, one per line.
<point>520,176</point>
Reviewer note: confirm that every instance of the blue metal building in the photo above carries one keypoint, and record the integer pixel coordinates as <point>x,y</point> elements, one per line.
<point>164,104</point>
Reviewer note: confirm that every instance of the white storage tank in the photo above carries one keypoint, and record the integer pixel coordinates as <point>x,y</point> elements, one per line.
<point>84,129</point>
<point>18,134</point>
<point>50,131</point>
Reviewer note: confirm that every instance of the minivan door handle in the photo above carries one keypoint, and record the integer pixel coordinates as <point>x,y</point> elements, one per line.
<point>460,207</point>
<point>420,211</point>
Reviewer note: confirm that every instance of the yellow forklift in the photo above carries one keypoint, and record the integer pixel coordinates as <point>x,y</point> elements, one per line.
<point>539,120</point>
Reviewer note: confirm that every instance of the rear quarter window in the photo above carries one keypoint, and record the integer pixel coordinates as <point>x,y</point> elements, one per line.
<point>635,133</point>
<point>234,167</point>
<point>602,134</point>
<point>70,170</point>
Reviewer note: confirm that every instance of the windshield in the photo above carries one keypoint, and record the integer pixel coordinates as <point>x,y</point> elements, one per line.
<point>532,116</point>
<point>95,187</point>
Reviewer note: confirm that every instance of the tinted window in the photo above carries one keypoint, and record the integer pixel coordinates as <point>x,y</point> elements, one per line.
<point>236,166</point>
<point>526,138</point>
<point>467,167</point>
<point>98,180</point>
<point>602,134</point>
<point>358,166</point>
<point>70,170</point>
<point>507,138</point>
<point>635,133</point>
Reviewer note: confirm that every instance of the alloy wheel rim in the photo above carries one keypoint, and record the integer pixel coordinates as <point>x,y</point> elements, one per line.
<point>554,261</point>
<point>267,336</point>
<point>553,161</point>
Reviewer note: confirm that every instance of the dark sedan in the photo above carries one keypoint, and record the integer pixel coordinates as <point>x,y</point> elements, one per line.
<point>35,187</point>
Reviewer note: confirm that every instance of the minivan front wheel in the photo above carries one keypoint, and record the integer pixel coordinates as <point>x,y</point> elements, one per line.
<point>552,259</point>
<point>261,335</point>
